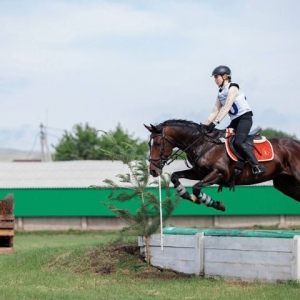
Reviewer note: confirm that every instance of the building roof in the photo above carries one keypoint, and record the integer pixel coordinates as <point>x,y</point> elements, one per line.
<point>70,174</point>
<point>66,174</point>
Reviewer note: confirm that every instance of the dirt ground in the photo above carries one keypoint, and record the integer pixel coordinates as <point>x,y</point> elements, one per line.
<point>127,260</point>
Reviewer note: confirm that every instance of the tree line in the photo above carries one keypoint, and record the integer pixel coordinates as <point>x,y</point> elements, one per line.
<point>87,143</point>
<point>84,142</point>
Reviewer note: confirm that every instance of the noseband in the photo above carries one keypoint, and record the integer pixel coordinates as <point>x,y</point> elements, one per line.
<point>162,158</point>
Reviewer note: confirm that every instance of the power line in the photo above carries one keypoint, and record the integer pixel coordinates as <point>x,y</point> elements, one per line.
<point>53,135</point>
<point>51,128</point>
<point>33,146</point>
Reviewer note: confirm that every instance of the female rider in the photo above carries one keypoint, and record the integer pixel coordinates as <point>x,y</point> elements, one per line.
<point>231,100</point>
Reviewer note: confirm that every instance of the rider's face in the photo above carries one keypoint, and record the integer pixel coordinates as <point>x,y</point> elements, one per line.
<point>218,80</point>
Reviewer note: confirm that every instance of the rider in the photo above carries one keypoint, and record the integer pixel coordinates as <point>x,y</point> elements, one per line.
<point>232,100</point>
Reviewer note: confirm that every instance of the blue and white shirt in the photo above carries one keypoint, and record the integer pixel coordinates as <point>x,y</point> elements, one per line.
<point>232,102</point>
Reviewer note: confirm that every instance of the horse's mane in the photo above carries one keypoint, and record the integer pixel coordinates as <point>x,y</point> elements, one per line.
<point>179,122</point>
<point>185,123</point>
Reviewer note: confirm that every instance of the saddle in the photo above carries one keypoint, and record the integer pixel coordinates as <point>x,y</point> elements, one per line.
<point>263,149</point>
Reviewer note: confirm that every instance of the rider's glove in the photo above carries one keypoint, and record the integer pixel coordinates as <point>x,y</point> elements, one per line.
<point>211,127</point>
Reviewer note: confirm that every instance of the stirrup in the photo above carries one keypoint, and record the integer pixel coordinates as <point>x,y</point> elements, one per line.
<point>258,170</point>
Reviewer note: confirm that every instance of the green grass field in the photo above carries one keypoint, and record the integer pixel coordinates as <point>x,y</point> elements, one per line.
<point>87,265</point>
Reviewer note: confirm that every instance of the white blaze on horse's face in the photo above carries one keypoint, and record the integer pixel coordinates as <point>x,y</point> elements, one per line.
<point>160,151</point>
<point>156,155</point>
<point>156,147</point>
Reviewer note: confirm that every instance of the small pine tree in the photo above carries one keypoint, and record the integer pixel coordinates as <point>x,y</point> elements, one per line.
<point>146,220</point>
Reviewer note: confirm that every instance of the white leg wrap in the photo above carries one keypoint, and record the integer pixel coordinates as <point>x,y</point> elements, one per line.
<point>205,199</point>
<point>180,189</point>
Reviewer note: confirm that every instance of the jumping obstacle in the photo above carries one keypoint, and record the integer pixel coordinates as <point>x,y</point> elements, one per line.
<point>246,255</point>
<point>7,225</point>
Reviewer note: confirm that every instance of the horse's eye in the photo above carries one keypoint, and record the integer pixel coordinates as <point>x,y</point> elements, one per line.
<point>154,143</point>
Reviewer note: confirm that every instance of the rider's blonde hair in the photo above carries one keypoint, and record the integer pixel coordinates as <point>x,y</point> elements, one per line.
<point>226,77</point>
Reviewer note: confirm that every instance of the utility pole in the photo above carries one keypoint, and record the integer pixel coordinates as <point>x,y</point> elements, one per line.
<point>44,145</point>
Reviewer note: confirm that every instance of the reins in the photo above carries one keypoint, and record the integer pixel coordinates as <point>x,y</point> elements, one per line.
<point>175,155</point>
<point>168,160</point>
<point>210,139</point>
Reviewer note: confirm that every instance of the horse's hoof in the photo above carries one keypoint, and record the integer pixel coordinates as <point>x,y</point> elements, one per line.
<point>219,205</point>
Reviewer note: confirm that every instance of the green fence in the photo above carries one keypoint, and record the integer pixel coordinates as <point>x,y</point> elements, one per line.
<point>64,202</point>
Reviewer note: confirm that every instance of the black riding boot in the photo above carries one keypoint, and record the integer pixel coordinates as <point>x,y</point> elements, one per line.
<point>257,168</point>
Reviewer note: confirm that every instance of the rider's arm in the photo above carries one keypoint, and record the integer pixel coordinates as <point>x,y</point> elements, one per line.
<point>232,94</point>
<point>214,112</point>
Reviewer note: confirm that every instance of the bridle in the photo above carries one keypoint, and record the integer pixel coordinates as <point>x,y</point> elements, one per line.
<point>163,160</point>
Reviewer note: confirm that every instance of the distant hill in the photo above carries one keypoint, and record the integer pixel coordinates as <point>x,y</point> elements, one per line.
<point>14,154</point>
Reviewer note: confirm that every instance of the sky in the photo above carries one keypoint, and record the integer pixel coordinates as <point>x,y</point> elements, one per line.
<point>105,63</point>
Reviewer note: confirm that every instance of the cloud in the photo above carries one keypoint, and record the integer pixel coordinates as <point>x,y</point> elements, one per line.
<point>135,62</point>
<point>11,137</point>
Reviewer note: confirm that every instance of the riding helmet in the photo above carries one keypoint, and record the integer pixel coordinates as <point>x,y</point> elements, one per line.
<point>221,70</point>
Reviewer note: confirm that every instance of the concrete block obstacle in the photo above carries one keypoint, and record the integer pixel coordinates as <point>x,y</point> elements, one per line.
<point>245,255</point>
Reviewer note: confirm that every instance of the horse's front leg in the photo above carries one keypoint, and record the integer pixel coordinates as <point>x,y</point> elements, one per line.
<point>197,197</point>
<point>200,197</point>
<point>188,174</point>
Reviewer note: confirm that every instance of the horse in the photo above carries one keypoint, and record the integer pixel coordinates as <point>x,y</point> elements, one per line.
<point>211,164</point>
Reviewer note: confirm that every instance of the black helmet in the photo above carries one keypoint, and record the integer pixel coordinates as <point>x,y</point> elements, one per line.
<point>221,70</point>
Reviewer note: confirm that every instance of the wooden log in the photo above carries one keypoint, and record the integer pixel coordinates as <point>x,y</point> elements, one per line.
<point>7,217</point>
<point>6,225</point>
<point>7,222</point>
<point>7,232</point>
<point>6,250</point>
<point>7,205</point>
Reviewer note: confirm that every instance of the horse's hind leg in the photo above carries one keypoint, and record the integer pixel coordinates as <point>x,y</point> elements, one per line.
<point>288,185</point>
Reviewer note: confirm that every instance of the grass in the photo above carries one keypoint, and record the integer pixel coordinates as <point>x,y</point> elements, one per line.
<point>92,265</point>
<point>52,239</point>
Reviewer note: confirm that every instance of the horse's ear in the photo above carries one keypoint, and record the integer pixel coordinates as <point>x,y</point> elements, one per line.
<point>152,128</point>
<point>148,127</point>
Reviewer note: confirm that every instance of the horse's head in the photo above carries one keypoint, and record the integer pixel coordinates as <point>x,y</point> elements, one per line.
<point>160,149</point>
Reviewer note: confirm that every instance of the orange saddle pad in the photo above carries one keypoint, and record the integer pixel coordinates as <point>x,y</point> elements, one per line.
<point>263,149</point>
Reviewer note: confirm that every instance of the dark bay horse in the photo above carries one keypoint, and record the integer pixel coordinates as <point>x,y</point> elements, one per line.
<point>212,165</point>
